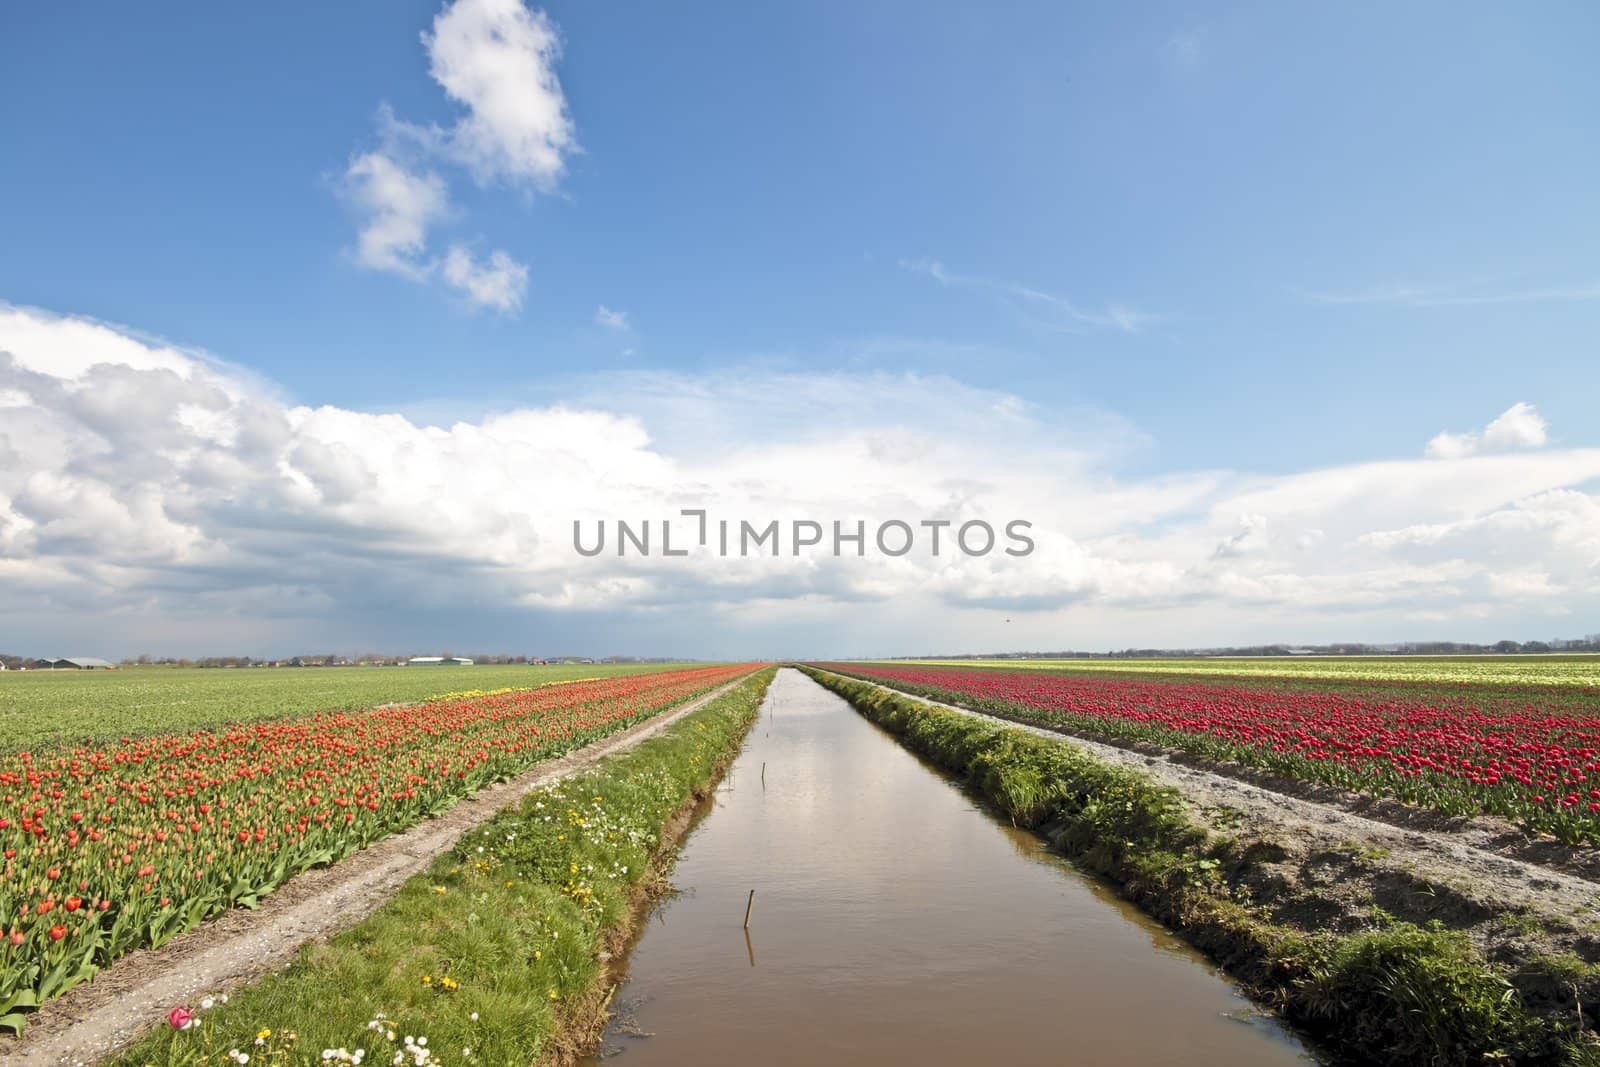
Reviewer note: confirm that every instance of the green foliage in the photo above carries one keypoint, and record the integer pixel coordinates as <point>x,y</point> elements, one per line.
<point>1422,995</point>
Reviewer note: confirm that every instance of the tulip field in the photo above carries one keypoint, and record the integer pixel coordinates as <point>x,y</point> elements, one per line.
<point>42,707</point>
<point>1528,754</point>
<point>115,847</point>
<point>1573,670</point>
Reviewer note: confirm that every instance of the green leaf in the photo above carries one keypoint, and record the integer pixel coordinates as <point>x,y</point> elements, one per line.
<point>22,998</point>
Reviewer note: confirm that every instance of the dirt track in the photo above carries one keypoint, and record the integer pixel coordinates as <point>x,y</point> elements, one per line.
<point>99,1017</point>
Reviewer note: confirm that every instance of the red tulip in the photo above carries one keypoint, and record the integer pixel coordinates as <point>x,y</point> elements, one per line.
<point>1494,749</point>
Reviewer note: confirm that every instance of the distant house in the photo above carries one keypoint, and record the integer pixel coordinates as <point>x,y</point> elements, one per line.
<point>82,663</point>
<point>438,661</point>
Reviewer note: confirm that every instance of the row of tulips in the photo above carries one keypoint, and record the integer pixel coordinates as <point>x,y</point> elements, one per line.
<point>111,849</point>
<point>1466,751</point>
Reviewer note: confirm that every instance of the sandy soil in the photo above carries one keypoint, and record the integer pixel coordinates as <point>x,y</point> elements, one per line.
<point>96,1018</point>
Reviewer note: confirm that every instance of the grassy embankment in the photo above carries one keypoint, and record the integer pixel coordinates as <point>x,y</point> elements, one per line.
<point>1397,993</point>
<point>497,954</point>
<point>39,709</point>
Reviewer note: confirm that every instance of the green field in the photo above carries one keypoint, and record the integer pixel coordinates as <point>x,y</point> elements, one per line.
<point>39,708</point>
<point>1553,670</point>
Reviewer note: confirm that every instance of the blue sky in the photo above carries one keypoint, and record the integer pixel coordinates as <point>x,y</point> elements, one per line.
<point>1258,239</point>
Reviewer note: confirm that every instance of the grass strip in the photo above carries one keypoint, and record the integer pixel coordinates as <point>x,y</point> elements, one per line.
<point>1398,994</point>
<point>498,953</point>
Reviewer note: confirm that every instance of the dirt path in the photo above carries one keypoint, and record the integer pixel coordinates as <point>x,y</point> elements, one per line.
<point>1449,874</point>
<point>97,1018</point>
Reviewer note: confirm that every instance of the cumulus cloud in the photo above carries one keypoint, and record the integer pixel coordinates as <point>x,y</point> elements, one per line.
<point>498,281</point>
<point>1519,426</point>
<point>399,207</point>
<point>496,58</point>
<point>144,483</point>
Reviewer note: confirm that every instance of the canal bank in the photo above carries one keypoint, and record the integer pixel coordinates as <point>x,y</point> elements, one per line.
<point>896,920</point>
<point>1322,943</point>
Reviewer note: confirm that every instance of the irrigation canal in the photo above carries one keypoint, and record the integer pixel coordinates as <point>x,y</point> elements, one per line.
<point>896,921</point>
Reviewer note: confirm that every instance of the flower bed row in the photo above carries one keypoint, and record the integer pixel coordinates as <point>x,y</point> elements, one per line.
<point>1533,763</point>
<point>497,954</point>
<point>110,849</point>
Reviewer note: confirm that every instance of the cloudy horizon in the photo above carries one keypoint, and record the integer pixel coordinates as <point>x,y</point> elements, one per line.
<point>336,361</point>
<point>158,499</point>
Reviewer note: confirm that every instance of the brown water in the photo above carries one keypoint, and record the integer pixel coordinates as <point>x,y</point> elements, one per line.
<point>896,922</point>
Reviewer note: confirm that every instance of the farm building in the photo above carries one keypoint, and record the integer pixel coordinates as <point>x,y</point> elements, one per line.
<point>81,663</point>
<point>438,661</point>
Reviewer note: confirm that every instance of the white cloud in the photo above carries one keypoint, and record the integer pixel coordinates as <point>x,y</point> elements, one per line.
<point>1519,426</point>
<point>1446,445</point>
<point>144,484</point>
<point>497,59</point>
<point>611,320</point>
<point>1251,537</point>
<point>400,207</point>
<point>1523,584</point>
<point>498,282</point>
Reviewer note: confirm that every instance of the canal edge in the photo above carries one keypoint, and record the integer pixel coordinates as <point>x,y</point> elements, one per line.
<point>1346,991</point>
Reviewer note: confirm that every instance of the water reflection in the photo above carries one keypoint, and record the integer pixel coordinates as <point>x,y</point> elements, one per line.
<point>898,924</point>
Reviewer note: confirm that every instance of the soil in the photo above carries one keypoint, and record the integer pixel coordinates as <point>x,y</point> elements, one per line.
<point>92,1020</point>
